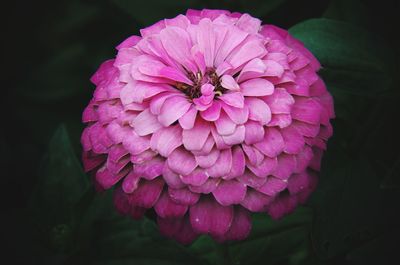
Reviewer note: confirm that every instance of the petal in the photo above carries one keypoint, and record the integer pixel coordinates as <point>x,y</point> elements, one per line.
<point>106,178</point>
<point>207,216</point>
<point>240,227</point>
<point>181,161</point>
<point>251,180</point>
<point>183,196</point>
<point>286,166</point>
<point>257,87</point>
<point>229,192</point>
<point>237,115</point>
<point>130,182</point>
<point>273,186</point>
<point>172,109</point>
<point>195,138</point>
<point>210,185</point>
<point>196,178</point>
<point>223,165</point>
<point>225,125</point>
<point>258,110</point>
<point>212,113</point>
<point>294,141</point>
<point>172,179</point>
<point>188,119</point>
<point>280,102</point>
<point>256,201</point>
<point>228,82</point>
<point>238,163</point>
<point>145,123</point>
<point>134,143</point>
<point>166,140</point>
<point>265,168</point>
<point>147,193</point>
<point>234,99</point>
<point>273,143</point>
<point>235,138</point>
<point>253,69</point>
<point>167,208</point>
<point>306,110</point>
<point>206,161</point>
<point>150,169</point>
<point>254,132</point>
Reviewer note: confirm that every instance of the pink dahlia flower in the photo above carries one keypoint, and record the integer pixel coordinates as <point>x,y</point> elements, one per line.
<point>205,118</point>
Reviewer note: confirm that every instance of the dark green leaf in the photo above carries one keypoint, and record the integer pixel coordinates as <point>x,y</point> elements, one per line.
<point>353,60</point>
<point>61,186</point>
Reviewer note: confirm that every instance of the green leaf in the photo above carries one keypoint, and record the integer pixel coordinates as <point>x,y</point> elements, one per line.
<point>61,185</point>
<point>353,60</point>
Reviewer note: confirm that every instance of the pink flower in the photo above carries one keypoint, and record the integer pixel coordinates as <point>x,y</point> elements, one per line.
<point>205,118</point>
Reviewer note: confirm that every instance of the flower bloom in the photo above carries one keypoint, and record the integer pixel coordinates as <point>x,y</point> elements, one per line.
<point>205,118</point>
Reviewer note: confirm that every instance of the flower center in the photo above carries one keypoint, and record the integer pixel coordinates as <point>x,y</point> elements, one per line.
<point>194,91</point>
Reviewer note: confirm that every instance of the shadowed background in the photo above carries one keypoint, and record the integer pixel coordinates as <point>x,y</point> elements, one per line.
<point>51,215</point>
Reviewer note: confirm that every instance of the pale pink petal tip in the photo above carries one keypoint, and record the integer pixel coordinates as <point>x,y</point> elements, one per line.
<point>204,119</point>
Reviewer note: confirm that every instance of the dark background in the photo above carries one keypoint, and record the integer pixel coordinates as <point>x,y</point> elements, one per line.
<point>50,212</point>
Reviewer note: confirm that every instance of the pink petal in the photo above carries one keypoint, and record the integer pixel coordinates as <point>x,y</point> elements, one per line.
<point>188,119</point>
<point>298,182</point>
<point>212,113</point>
<point>236,137</point>
<point>265,168</point>
<point>225,125</point>
<point>130,182</point>
<point>183,196</point>
<point>207,216</point>
<point>273,68</point>
<point>273,186</point>
<point>255,201</point>
<point>240,227</point>
<point>273,143</point>
<point>195,138</point>
<point>206,161</point>
<point>208,187</point>
<point>228,82</point>
<point>237,115</point>
<point>286,166</point>
<point>280,101</point>
<point>172,109</point>
<point>251,180</point>
<point>196,178</point>
<point>150,169</point>
<point>229,192</point>
<point>223,165</point>
<point>167,208</point>
<point>248,23</point>
<point>172,179</point>
<point>145,123</point>
<point>306,110</point>
<point>257,87</point>
<point>281,120</point>
<point>181,161</point>
<point>135,144</point>
<point>282,206</point>
<point>238,163</point>
<point>258,110</point>
<point>166,140</point>
<point>248,50</point>
<point>294,141</point>
<point>107,179</point>
<point>253,69</point>
<point>234,99</point>
<point>254,132</point>
<point>303,159</point>
<point>147,193</point>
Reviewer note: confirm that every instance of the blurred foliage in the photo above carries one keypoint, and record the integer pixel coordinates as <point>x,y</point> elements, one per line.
<point>53,215</point>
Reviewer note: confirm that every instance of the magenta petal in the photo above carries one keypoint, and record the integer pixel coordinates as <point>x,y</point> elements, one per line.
<point>228,82</point>
<point>265,168</point>
<point>240,227</point>
<point>107,179</point>
<point>207,216</point>
<point>254,132</point>
<point>188,119</point>
<point>147,193</point>
<point>282,206</point>
<point>183,196</point>
<point>178,228</point>
<point>229,192</point>
<point>238,163</point>
<point>273,143</point>
<point>134,143</point>
<point>236,137</point>
<point>209,186</point>
<point>303,159</point>
<point>195,138</point>
<point>294,141</point>
<point>258,110</point>
<point>251,180</point>
<point>150,169</point>
<point>197,178</point>
<point>237,115</point>
<point>181,161</point>
<point>273,186</point>
<point>280,102</point>
<point>257,87</point>
<point>145,123</point>
<point>172,179</point>
<point>298,182</point>
<point>306,110</point>
<point>213,112</point>
<point>286,166</point>
<point>166,140</point>
<point>222,166</point>
<point>256,201</point>
<point>130,182</point>
<point>206,161</point>
<point>172,109</point>
<point>225,125</point>
<point>167,208</point>
<point>234,99</point>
